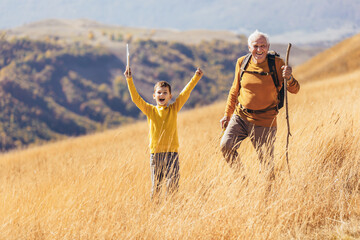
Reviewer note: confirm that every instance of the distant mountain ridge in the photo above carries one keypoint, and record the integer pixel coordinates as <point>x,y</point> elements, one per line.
<point>114,37</point>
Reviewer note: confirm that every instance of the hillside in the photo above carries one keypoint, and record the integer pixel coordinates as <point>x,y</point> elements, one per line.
<point>341,59</point>
<point>54,88</point>
<point>97,186</point>
<point>50,90</point>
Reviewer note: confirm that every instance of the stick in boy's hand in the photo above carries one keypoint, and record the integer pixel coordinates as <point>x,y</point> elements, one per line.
<point>199,72</point>
<point>127,56</point>
<point>127,72</point>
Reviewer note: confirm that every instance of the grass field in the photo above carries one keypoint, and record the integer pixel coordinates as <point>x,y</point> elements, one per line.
<point>98,186</point>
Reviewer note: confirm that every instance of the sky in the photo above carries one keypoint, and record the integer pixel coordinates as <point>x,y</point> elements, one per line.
<point>329,18</point>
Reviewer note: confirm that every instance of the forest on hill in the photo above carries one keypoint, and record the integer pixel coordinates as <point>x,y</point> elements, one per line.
<point>50,90</point>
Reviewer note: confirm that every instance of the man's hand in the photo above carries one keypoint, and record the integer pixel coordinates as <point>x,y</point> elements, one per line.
<point>199,72</point>
<point>286,73</point>
<point>224,122</point>
<point>127,72</point>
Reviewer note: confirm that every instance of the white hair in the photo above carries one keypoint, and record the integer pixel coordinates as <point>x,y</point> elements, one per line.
<point>256,35</point>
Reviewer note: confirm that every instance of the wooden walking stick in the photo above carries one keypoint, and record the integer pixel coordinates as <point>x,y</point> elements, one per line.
<point>287,108</point>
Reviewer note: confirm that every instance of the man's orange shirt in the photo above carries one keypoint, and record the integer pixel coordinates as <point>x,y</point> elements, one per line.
<point>257,92</point>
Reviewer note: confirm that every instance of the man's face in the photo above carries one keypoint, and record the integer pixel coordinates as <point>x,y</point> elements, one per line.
<point>259,49</point>
<point>162,96</point>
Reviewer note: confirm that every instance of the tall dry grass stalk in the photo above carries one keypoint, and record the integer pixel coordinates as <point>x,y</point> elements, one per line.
<point>98,186</point>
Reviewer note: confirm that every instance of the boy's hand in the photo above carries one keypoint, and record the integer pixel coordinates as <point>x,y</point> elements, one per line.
<point>199,72</point>
<point>127,72</point>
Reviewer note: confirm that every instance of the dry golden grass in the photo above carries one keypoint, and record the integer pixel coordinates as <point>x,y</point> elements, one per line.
<point>98,186</point>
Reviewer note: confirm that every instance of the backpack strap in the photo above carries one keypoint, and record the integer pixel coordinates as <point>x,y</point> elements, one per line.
<point>274,75</point>
<point>244,64</point>
<point>272,68</point>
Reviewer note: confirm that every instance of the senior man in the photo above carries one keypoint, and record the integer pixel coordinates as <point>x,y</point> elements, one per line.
<point>252,104</point>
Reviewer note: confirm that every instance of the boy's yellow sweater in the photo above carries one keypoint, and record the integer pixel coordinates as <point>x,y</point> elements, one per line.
<point>162,121</point>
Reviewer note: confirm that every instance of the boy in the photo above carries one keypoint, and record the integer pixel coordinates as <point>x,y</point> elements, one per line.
<point>162,120</point>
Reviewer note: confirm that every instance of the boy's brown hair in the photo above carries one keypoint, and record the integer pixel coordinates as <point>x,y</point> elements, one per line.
<point>162,84</point>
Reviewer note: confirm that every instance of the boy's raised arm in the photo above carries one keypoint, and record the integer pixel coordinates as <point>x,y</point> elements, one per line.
<point>185,93</point>
<point>135,97</point>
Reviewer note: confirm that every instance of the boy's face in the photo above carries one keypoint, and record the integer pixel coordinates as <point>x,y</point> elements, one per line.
<point>162,96</point>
